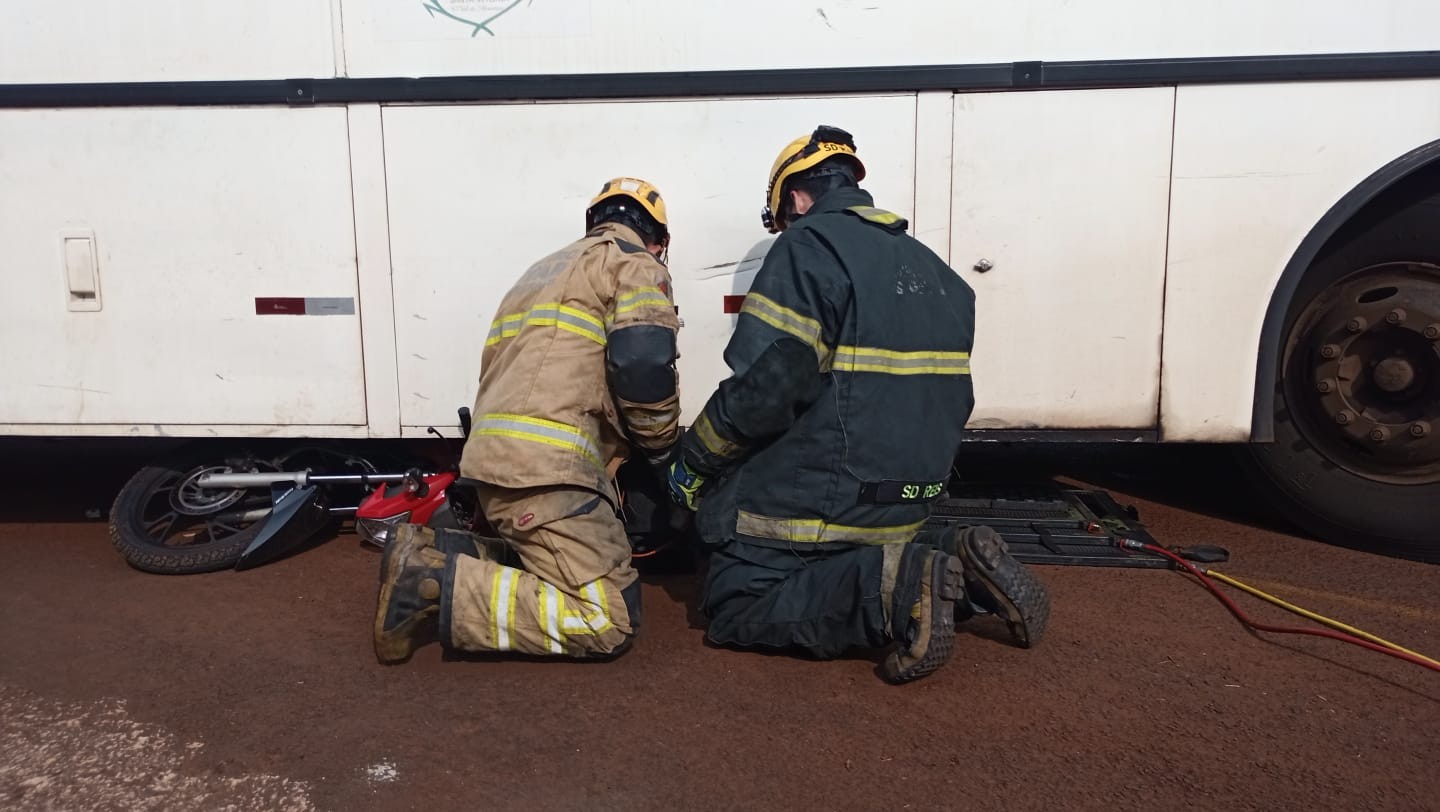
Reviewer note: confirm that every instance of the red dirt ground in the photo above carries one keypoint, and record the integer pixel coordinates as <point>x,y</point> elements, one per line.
<point>259,689</point>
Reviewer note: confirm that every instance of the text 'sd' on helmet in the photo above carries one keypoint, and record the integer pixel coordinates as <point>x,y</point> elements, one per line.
<point>642,192</point>
<point>805,152</point>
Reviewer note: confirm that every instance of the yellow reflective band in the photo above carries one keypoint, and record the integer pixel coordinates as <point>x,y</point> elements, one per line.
<point>603,606</point>
<point>786,320</point>
<point>512,590</point>
<point>552,602</point>
<point>581,315</point>
<point>559,629</point>
<point>592,615</point>
<point>711,439</point>
<point>815,531</point>
<point>538,430</point>
<point>781,317</point>
<point>550,314</point>
<point>497,629</point>
<point>507,584</point>
<point>574,623</point>
<point>891,362</point>
<point>874,215</point>
<point>642,297</point>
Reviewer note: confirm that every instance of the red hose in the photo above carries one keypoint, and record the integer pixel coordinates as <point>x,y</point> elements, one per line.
<point>1265,627</point>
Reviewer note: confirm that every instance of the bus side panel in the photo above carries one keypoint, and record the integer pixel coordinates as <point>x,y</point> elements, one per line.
<point>180,267</point>
<point>1255,167</point>
<point>1064,194</point>
<point>165,40</point>
<point>478,193</point>
<point>480,37</point>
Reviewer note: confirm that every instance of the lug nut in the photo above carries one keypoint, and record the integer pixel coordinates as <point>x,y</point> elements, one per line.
<point>1330,351</point>
<point>1344,417</point>
<point>1395,316</point>
<point>1420,429</point>
<point>1433,332</point>
<point>1380,434</point>
<point>1357,324</point>
<point>1326,386</point>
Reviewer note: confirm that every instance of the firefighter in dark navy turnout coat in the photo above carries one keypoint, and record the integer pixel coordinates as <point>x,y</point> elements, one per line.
<point>819,457</point>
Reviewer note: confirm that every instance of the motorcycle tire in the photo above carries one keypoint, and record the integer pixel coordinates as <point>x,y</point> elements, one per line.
<point>159,524</point>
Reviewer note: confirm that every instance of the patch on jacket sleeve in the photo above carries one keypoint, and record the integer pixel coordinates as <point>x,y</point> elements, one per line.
<point>880,217</point>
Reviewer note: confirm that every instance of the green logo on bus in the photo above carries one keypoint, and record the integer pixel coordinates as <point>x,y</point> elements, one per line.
<point>478,14</point>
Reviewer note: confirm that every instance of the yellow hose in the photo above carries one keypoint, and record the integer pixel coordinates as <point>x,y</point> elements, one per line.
<point>1318,618</point>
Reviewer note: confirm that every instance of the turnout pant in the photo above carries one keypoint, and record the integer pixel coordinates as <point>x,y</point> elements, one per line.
<point>575,594</point>
<point>822,601</point>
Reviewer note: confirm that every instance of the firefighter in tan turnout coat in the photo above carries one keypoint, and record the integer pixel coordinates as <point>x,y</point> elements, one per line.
<point>577,373</point>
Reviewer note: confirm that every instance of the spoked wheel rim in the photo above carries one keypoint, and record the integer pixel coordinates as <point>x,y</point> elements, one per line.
<point>178,512</point>
<point>1363,380</point>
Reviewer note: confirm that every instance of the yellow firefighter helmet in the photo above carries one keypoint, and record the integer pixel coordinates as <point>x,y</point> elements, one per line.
<point>642,192</point>
<point>806,152</point>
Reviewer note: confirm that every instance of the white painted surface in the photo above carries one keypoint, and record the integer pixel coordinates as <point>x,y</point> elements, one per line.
<point>164,40</point>
<point>402,38</point>
<point>196,212</point>
<point>279,430</point>
<point>372,256</point>
<point>181,40</point>
<point>1064,193</point>
<point>934,173</point>
<point>1255,167</point>
<point>82,269</point>
<point>478,193</point>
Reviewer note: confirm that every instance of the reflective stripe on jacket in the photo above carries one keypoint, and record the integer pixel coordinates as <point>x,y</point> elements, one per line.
<point>850,388</point>
<point>545,414</point>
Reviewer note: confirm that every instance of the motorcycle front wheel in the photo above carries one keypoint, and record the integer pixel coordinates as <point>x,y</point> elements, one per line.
<point>162,521</point>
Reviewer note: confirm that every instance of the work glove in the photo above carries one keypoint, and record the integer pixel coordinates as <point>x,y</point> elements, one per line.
<point>684,484</point>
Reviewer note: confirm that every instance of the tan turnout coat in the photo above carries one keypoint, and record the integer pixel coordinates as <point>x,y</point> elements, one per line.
<point>545,414</point>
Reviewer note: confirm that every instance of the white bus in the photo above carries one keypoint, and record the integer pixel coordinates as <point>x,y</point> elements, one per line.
<point>1185,222</point>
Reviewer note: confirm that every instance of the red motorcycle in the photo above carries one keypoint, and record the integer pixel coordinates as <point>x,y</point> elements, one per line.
<point>200,512</point>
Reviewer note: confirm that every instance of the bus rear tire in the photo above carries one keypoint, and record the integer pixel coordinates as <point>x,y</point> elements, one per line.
<point>1356,457</point>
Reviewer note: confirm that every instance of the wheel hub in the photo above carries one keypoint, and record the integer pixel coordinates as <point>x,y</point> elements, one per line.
<point>1369,350</point>
<point>190,499</point>
<point>1394,375</point>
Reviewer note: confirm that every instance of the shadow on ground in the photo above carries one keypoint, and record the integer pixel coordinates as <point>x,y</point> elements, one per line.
<point>55,480</point>
<point>75,479</point>
<point>1204,479</point>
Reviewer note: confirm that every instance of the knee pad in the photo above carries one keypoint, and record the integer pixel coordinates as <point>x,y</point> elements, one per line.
<point>631,596</point>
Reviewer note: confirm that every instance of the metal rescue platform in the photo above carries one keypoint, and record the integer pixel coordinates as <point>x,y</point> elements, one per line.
<point>1051,524</point>
<point>1042,522</point>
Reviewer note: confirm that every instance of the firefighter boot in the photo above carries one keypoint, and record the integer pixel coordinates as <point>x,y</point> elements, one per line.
<point>929,634</point>
<point>999,584</point>
<point>463,542</point>
<point>407,614</point>
<point>454,541</point>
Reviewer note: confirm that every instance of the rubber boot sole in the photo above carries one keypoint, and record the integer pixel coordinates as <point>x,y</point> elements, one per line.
<point>947,585</point>
<point>391,648</point>
<point>1022,600</point>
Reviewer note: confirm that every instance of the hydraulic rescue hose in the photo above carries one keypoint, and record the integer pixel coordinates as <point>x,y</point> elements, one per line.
<point>1384,647</point>
<point>1315,616</point>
